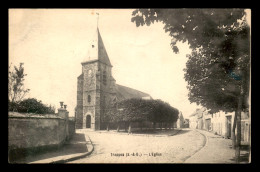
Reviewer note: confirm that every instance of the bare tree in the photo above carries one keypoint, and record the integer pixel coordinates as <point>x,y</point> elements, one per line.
<point>16,90</point>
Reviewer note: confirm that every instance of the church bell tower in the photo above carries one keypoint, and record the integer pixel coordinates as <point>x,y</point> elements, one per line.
<point>96,86</point>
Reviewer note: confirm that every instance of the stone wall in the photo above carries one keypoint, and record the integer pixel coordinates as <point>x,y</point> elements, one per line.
<point>72,128</point>
<point>34,131</point>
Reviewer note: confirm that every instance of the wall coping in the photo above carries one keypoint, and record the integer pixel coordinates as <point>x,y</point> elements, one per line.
<point>32,115</point>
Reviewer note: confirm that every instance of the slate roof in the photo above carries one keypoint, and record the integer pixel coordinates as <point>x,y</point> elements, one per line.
<point>102,53</point>
<point>123,92</point>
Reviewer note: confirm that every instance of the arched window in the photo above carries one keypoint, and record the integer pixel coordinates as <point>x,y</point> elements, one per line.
<point>89,98</point>
<point>104,78</point>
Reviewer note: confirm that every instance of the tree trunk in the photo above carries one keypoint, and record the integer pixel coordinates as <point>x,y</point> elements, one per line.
<point>154,125</point>
<point>118,127</point>
<point>107,126</point>
<point>161,125</point>
<point>129,129</point>
<point>141,125</point>
<point>238,137</point>
<point>125,126</point>
<point>233,133</point>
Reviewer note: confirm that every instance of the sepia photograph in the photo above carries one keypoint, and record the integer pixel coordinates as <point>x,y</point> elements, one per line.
<point>129,86</point>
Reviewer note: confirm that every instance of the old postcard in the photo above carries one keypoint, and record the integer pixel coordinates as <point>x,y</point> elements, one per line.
<point>129,86</point>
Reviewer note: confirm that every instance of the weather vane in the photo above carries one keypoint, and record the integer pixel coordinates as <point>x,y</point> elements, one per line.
<point>97,18</point>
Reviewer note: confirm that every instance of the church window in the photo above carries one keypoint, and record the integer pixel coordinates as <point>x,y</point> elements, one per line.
<point>104,78</point>
<point>89,72</point>
<point>89,98</point>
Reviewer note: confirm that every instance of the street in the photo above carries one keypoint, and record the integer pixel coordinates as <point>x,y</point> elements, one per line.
<point>112,147</point>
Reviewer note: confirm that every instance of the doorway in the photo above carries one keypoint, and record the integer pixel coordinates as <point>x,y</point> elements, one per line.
<point>208,124</point>
<point>228,126</point>
<point>88,121</point>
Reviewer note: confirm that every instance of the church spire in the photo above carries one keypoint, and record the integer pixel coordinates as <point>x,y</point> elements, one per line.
<point>97,19</point>
<point>97,49</point>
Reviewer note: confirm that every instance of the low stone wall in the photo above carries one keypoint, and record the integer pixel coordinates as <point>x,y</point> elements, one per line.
<point>34,131</point>
<point>71,128</point>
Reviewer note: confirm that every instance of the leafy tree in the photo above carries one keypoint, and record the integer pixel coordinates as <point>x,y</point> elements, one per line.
<point>111,115</point>
<point>32,105</point>
<point>140,110</point>
<point>131,110</point>
<point>218,69</point>
<point>16,93</point>
<point>163,113</point>
<point>16,90</point>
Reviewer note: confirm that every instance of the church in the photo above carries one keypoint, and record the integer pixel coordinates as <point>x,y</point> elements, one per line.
<point>97,88</point>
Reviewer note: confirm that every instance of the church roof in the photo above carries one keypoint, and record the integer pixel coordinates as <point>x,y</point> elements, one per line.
<point>97,50</point>
<point>123,92</point>
<point>80,76</point>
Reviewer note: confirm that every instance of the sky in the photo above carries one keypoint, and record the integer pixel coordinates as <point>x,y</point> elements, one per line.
<point>52,43</point>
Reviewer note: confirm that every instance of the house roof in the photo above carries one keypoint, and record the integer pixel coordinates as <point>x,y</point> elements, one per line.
<point>198,113</point>
<point>123,92</point>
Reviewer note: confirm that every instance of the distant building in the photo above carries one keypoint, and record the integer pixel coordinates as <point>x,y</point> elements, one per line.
<point>220,123</point>
<point>193,121</point>
<point>196,119</point>
<point>180,121</point>
<point>97,89</point>
<point>186,123</point>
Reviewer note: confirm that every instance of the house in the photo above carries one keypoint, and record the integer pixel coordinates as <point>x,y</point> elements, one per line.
<point>180,121</point>
<point>186,123</point>
<point>197,119</point>
<point>193,121</point>
<point>221,123</point>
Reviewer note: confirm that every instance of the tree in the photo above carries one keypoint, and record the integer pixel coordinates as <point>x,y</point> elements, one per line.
<point>140,110</point>
<point>132,110</point>
<point>218,69</point>
<point>161,112</point>
<point>111,115</point>
<point>32,105</point>
<point>16,90</point>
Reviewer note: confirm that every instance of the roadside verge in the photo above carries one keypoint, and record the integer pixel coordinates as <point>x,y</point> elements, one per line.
<point>205,143</point>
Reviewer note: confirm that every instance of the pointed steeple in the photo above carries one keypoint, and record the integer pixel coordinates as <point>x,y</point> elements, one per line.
<point>97,50</point>
<point>102,53</point>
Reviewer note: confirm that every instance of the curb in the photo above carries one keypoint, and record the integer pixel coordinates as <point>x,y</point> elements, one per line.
<point>205,144</point>
<point>175,133</point>
<point>146,135</point>
<point>76,157</point>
